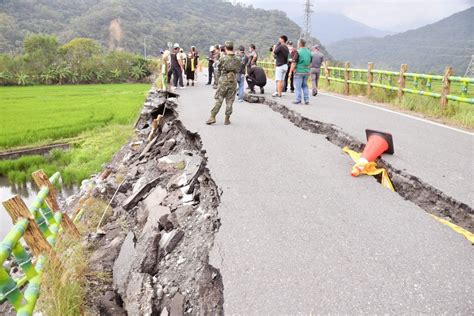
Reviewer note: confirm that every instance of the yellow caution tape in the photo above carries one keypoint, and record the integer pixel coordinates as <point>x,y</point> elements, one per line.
<point>370,168</point>
<point>468,235</point>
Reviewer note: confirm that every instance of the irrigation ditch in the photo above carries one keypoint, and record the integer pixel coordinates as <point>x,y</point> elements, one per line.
<point>151,256</point>
<point>406,185</point>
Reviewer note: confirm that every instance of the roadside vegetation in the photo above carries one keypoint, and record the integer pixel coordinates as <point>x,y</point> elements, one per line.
<point>456,113</point>
<point>82,60</point>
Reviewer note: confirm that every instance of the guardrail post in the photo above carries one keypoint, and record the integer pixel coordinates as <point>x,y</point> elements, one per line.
<point>327,72</point>
<point>402,81</point>
<point>446,87</point>
<point>41,179</point>
<point>370,78</point>
<point>346,78</point>
<point>35,240</point>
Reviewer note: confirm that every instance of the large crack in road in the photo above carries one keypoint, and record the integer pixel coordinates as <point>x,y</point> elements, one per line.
<point>406,185</point>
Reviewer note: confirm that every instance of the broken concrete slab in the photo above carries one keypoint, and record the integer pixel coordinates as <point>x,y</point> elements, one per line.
<point>170,240</point>
<point>139,296</point>
<point>124,263</point>
<point>177,305</point>
<point>155,198</point>
<point>133,200</point>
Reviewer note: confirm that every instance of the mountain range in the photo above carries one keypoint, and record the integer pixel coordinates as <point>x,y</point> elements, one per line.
<point>428,49</point>
<point>124,24</point>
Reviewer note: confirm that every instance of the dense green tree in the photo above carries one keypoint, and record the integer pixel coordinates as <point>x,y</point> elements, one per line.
<point>40,51</point>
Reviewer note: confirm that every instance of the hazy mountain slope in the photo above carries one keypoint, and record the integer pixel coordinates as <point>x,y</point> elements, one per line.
<point>332,27</point>
<point>427,49</point>
<point>124,23</point>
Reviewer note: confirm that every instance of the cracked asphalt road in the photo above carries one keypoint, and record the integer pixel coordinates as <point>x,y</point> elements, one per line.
<point>299,235</point>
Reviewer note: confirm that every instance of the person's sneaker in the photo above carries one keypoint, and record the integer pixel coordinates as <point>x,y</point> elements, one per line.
<point>240,100</point>
<point>283,94</point>
<point>296,102</point>
<point>262,91</point>
<point>252,92</point>
<point>306,102</point>
<point>208,84</point>
<point>275,95</point>
<point>227,120</point>
<point>187,84</point>
<point>292,91</point>
<point>182,88</point>
<point>192,84</point>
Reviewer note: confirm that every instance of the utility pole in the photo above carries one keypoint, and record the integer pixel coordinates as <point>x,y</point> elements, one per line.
<point>144,45</point>
<point>306,31</point>
<point>470,68</point>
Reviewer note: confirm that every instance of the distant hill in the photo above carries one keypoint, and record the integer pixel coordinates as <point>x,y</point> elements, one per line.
<point>427,49</point>
<point>332,27</point>
<point>123,24</point>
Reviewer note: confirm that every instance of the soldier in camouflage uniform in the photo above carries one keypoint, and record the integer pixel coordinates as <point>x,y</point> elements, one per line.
<point>229,67</point>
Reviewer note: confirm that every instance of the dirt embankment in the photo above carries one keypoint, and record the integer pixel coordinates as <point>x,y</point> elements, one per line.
<point>151,256</point>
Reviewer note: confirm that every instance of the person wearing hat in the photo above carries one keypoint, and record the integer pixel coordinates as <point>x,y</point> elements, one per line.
<point>229,68</point>
<point>176,66</point>
<point>241,76</point>
<point>316,62</point>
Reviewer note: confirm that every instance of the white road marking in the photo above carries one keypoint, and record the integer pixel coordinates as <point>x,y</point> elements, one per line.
<point>401,114</point>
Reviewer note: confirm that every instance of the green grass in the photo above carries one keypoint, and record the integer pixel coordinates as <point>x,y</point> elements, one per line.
<point>457,113</point>
<point>42,114</point>
<point>79,163</point>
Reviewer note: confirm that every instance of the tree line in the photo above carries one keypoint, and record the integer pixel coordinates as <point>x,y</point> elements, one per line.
<point>80,61</point>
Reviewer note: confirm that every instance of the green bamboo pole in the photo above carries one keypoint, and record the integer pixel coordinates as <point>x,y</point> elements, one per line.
<point>9,289</point>
<point>47,213</point>
<point>24,261</point>
<point>35,210</point>
<point>8,243</point>
<point>33,290</point>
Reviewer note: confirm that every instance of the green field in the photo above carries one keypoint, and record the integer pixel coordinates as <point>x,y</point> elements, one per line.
<point>42,114</point>
<point>99,116</point>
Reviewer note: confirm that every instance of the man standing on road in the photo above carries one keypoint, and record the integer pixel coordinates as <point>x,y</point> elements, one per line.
<point>241,76</point>
<point>281,52</point>
<point>301,66</point>
<point>256,77</point>
<point>210,67</point>
<point>289,74</point>
<point>229,67</point>
<point>176,67</point>
<point>317,60</point>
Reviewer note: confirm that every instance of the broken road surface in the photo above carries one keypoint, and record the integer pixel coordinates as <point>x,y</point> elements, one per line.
<point>299,235</point>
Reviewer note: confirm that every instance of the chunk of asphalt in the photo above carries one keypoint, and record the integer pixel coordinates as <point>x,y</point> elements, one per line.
<point>133,200</point>
<point>170,240</point>
<point>140,295</point>
<point>123,264</point>
<point>177,305</point>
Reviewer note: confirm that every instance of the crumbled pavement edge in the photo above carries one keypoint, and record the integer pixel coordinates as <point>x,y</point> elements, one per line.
<point>409,187</point>
<point>151,256</point>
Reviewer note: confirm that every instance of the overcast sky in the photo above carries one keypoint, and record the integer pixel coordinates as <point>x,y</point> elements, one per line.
<point>393,15</point>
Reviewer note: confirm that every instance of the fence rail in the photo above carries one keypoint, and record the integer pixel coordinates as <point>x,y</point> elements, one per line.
<point>403,82</point>
<point>39,226</point>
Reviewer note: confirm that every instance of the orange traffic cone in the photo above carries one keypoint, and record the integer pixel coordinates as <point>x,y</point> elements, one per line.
<point>377,144</point>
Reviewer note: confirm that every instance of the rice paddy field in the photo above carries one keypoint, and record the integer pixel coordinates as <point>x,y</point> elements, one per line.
<point>43,114</point>
<point>98,118</point>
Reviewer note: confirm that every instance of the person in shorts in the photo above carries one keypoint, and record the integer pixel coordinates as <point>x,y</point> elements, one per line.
<point>281,53</point>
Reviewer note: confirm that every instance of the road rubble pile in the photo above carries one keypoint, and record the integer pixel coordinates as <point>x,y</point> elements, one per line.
<point>406,185</point>
<point>151,257</point>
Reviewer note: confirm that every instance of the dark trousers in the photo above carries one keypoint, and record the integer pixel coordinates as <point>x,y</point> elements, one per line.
<point>177,76</point>
<point>251,83</point>
<point>210,70</point>
<point>292,83</point>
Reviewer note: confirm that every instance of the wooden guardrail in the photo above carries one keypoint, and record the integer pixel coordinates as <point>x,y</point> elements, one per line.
<point>435,86</point>
<point>39,226</point>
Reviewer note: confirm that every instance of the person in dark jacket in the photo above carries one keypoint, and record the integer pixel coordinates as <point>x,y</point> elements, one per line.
<point>256,77</point>
<point>210,68</point>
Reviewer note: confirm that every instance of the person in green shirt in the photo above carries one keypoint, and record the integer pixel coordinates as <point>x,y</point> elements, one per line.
<point>301,67</point>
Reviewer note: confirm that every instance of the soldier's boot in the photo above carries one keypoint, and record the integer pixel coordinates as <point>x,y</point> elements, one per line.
<point>211,120</point>
<point>227,120</point>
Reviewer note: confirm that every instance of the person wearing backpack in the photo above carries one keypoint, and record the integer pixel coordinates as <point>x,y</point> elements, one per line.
<point>301,68</point>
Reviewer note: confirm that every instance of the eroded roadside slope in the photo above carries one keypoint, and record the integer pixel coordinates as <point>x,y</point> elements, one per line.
<point>151,256</point>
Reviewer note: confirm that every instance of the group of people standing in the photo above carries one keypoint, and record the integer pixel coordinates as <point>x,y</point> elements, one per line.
<point>296,65</point>
<point>180,64</point>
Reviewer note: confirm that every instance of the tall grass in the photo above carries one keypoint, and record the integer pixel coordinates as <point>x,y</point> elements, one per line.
<point>85,158</point>
<point>41,114</point>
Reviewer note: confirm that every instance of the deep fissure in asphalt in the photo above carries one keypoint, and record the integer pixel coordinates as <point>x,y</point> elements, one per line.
<point>409,187</point>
